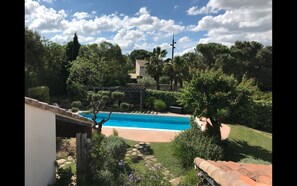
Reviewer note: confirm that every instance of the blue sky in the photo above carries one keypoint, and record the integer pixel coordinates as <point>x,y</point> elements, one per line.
<point>146,24</point>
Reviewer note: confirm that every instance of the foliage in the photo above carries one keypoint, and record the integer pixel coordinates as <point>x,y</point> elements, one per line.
<point>139,54</point>
<point>164,80</point>
<point>124,106</point>
<point>41,93</point>
<point>159,105</point>
<point>115,146</point>
<point>155,65</point>
<point>146,81</point>
<point>211,93</point>
<point>76,104</point>
<point>104,165</point>
<point>64,176</point>
<point>254,114</point>
<point>146,177</point>
<point>191,178</point>
<point>194,143</point>
<point>169,97</point>
<point>74,109</point>
<point>72,48</point>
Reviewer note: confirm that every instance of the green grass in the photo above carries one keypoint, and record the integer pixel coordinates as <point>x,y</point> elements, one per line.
<point>249,145</point>
<point>164,154</point>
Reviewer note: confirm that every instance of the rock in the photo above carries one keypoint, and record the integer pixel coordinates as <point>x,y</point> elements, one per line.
<point>136,145</point>
<point>158,165</point>
<point>166,173</point>
<point>127,159</point>
<point>154,159</point>
<point>134,154</point>
<point>69,158</point>
<point>129,152</point>
<point>141,143</point>
<point>61,161</point>
<point>149,157</point>
<point>175,181</point>
<point>140,155</point>
<point>147,144</point>
<point>134,150</point>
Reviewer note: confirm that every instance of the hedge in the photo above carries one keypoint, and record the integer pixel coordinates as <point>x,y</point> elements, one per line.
<point>169,97</point>
<point>256,114</point>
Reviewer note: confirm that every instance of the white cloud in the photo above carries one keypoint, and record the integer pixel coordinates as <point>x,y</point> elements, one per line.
<point>81,15</point>
<point>241,20</point>
<point>93,12</point>
<point>190,49</point>
<point>47,19</point>
<point>175,7</point>
<point>194,10</point>
<point>184,39</point>
<point>142,11</point>
<point>47,1</point>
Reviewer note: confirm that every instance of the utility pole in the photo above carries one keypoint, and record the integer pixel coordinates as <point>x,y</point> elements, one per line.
<point>173,47</point>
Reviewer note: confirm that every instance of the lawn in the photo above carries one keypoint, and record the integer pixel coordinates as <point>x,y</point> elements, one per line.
<point>249,145</point>
<point>243,145</point>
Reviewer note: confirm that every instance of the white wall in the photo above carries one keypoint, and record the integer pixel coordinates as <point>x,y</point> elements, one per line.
<point>40,146</point>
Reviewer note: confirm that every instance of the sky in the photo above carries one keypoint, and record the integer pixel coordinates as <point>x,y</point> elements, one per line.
<point>146,24</point>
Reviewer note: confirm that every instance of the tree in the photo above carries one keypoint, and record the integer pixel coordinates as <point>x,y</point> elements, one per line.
<point>139,54</point>
<point>98,101</point>
<point>55,61</point>
<point>72,48</point>
<point>210,93</point>
<point>210,51</point>
<point>155,65</point>
<point>34,58</point>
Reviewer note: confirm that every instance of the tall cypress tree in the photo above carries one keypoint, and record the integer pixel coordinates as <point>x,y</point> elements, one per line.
<point>72,48</point>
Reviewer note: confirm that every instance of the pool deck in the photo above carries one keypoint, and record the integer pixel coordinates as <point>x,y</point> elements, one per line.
<point>154,135</point>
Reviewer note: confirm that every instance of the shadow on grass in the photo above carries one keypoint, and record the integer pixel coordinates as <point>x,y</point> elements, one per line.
<point>238,149</point>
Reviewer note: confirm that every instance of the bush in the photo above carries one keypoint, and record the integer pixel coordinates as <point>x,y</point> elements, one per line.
<point>124,106</point>
<point>76,104</point>
<point>74,109</point>
<point>146,81</point>
<point>159,105</point>
<point>116,147</point>
<point>194,143</point>
<point>164,80</point>
<point>255,114</point>
<point>40,93</point>
<point>169,97</point>
<point>64,176</point>
<point>191,178</point>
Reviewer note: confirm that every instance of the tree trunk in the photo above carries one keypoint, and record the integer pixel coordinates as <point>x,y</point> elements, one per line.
<point>175,84</point>
<point>171,83</point>
<point>158,83</point>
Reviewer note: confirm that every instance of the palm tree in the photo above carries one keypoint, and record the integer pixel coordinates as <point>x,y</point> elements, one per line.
<point>155,66</point>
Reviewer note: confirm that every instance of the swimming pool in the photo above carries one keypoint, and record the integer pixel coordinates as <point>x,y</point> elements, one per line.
<point>146,121</point>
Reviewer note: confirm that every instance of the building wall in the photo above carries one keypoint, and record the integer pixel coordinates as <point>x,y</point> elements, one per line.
<point>137,69</point>
<point>40,146</point>
<point>140,69</point>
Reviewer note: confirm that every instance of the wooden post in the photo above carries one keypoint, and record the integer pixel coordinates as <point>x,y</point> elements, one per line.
<point>81,155</point>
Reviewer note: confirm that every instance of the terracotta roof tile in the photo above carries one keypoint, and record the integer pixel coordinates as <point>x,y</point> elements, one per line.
<point>229,173</point>
<point>57,110</point>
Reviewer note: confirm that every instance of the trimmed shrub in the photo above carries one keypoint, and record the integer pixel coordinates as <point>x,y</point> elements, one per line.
<point>159,105</point>
<point>169,97</point>
<point>76,104</point>
<point>74,109</point>
<point>104,92</point>
<point>146,81</point>
<point>116,147</point>
<point>41,93</point>
<point>255,114</point>
<point>164,80</point>
<point>194,143</point>
<point>124,106</point>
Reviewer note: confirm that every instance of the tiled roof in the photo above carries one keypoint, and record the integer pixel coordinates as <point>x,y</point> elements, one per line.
<point>233,173</point>
<point>57,110</point>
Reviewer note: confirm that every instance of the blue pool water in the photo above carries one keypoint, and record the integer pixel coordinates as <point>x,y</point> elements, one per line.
<point>147,121</point>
